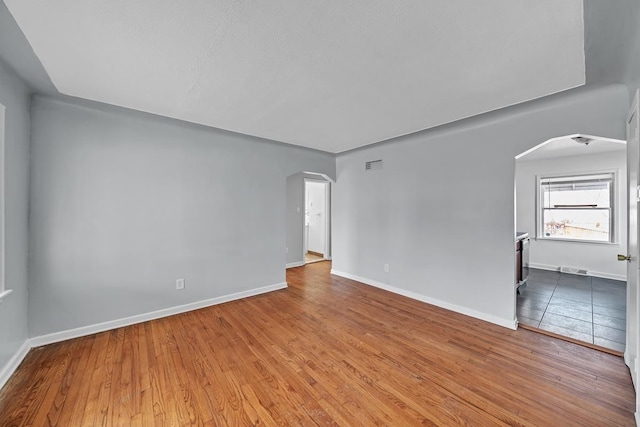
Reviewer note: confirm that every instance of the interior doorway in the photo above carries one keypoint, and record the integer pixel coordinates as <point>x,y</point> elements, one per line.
<point>571,200</point>
<point>316,220</point>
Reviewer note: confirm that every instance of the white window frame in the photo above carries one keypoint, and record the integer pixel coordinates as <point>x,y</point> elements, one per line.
<point>3,290</point>
<point>613,226</point>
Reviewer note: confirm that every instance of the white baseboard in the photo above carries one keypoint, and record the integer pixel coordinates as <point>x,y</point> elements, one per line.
<point>511,324</point>
<point>295,264</point>
<point>599,274</point>
<point>621,277</point>
<point>8,369</point>
<point>547,267</point>
<point>113,324</point>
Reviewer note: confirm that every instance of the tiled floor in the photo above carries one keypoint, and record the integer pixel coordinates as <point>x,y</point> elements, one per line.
<point>586,308</point>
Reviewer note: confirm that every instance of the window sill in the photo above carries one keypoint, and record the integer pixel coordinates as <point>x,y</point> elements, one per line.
<point>591,242</point>
<point>4,294</point>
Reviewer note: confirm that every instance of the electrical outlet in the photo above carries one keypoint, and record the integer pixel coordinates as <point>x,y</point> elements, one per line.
<point>386,268</point>
<point>180,284</point>
<point>286,250</point>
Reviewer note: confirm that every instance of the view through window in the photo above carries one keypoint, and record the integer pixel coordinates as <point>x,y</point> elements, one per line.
<point>578,207</point>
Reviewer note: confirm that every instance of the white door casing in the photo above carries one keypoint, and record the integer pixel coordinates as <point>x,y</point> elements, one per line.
<point>315,211</point>
<point>633,185</point>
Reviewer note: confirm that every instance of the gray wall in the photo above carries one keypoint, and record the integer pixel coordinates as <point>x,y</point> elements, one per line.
<point>612,42</point>
<point>441,211</point>
<point>124,203</point>
<point>14,95</point>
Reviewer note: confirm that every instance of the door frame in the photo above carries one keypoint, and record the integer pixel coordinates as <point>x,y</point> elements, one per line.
<point>327,217</point>
<point>633,253</point>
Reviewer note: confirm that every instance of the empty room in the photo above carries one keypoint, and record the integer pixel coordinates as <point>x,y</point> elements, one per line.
<point>322,213</point>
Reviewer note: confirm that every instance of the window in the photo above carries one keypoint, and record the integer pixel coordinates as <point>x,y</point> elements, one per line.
<point>578,207</point>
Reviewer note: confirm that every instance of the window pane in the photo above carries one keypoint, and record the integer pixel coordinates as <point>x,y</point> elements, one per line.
<point>581,195</point>
<point>585,224</point>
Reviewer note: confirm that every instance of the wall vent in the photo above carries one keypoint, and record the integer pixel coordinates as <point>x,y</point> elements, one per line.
<point>373,165</point>
<point>574,270</point>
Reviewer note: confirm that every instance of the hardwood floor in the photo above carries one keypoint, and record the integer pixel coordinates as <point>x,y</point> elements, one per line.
<point>325,351</point>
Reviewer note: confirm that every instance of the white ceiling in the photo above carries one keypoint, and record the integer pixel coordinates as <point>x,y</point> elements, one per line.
<point>329,75</point>
<point>567,147</point>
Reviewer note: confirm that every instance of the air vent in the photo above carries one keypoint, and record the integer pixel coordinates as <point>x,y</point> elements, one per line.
<point>373,165</point>
<point>573,270</point>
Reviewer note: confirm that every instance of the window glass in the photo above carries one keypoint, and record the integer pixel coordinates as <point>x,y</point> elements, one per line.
<point>577,208</point>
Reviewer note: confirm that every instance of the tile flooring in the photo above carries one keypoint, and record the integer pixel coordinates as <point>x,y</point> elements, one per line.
<point>585,308</point>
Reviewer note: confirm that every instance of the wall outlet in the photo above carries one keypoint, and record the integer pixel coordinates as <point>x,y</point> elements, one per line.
<point>286,250</point>
<point>386,268</point>
<point>180,284</point>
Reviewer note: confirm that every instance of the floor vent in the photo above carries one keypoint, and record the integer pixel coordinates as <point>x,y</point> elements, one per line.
<point>574,270</point>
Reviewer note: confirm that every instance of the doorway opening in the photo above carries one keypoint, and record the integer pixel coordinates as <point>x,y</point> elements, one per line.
<point>571,201</point>
<point>316,220</point>
<point>308,218</point>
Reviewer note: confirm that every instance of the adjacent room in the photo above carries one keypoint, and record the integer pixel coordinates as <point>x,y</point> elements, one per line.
<point>228,213</point>
<point>571,203</point>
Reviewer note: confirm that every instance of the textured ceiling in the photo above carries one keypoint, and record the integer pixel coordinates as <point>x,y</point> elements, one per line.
<point>329,75</point>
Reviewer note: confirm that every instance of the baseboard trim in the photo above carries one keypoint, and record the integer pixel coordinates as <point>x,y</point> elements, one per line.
<point>14,362</point>
<point>295,264</point>
<point>113,324</point>
<point>511,324</point>
<point>621,277</point>
<point>547,267</point>
<point>599,274</point>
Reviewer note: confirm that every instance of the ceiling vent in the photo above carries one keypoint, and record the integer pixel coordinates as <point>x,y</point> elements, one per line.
<point>373,165</point>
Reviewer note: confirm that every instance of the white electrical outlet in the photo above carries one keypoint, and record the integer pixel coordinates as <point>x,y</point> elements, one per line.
<point>286,250</point>
<point>180,284</point>
<point>386,268</point>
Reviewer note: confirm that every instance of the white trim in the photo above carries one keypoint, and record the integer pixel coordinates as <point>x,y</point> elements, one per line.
<point>511,324</point>
<point>13,363</point>
<point>295,264</point>
<point>4,294</point>
<point>3,169</point>
<point>548,267</point>
<point>600,274</point>
<point>113,324</point>
<point>637,416</point>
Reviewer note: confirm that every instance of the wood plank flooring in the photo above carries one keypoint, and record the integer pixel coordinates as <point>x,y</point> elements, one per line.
<point>325,351</point>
